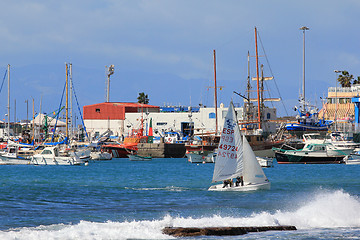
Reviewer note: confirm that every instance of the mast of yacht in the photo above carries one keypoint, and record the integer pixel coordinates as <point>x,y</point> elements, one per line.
<point>215,95</point>
<point>257,80</point>
<point>247,110</point>
<point>8,107</point>
<point>71,101</point>
<point>67,103</point>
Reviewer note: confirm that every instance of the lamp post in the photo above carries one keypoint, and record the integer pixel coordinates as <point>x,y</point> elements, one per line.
<point>304,29</point>
<point>336,100</point>
<point>109,71</point>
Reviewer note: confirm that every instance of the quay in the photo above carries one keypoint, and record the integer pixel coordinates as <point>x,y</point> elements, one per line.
<point>161,150</point>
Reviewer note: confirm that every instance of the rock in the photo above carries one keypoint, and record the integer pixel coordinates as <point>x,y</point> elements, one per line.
<point>221,231</point>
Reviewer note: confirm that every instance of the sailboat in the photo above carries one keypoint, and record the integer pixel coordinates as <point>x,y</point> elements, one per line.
<point>236,159</point>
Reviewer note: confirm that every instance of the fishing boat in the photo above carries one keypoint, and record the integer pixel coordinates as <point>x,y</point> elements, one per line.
<point>134,157</point>
<point>12,156</point>
<point>118,150</point>
<point>51,156</point>
<point>308,120</point>
<point>317,152</point>
<point>236,159</point>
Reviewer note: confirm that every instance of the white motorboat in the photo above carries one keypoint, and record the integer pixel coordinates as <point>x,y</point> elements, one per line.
<point>265,161</point>
<point>98,155</point>
<point>11,157</point>
<point>236,159</point>
<point>352,159</point>
<point>313,152</point>
<point>51,156</point>
<point>201,156</point>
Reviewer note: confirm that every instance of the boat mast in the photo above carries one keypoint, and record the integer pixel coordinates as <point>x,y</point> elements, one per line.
<point>67,103</point>
<point>33,119</point>
<point>257,80</point>
<point>215,95</point>
<point>262,88</point>
<point>8,107</point>
<point>71,102</point>
<point>248,90</point>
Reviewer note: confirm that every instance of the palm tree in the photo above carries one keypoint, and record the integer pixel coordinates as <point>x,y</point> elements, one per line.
<point>356,81</point>
<point>345,79</point>
<point>143,98</point>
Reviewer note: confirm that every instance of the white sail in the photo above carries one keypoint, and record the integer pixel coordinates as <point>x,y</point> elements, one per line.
<point>253,172</point>
<point>229,161</point>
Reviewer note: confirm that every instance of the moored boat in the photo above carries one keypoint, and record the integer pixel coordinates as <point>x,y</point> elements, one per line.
<point>265,161</point>
<point>12,157</point>
<point>201,156</point>
<point>352,159</point>
<point>317,153</point>
<point>51,156</point>
<point>98,155</point>
<point>119,150</point>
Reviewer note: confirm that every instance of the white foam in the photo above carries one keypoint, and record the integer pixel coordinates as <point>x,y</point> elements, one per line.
<point>325,209</point>
<point>91,230</point>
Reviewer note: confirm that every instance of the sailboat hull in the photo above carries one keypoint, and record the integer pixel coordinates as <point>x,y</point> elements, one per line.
<point>246,187</point>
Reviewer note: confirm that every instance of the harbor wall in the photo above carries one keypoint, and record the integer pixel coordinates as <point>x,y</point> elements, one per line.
<point>161,150</point>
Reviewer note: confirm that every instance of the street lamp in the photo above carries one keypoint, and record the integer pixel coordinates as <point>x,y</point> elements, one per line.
<point>336,100</point>
<point>109,71</point>
<point>304,29</point>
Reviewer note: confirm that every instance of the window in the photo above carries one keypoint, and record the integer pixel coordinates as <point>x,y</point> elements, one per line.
<point>212,115</point>
<point>97,110</point>
<point>268,115</point>
<point>161,123</point>
<point>45,152</point>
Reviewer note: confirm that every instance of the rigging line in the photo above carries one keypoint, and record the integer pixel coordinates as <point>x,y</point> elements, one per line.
<point>2,84</point>
<point>57,117</point>
<point>82,120</point>
<point>267,60</point>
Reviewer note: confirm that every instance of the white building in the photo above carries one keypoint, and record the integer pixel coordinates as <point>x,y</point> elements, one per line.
<point>197,121</point>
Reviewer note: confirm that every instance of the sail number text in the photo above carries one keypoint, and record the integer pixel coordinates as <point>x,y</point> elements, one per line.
<point>228,147</point>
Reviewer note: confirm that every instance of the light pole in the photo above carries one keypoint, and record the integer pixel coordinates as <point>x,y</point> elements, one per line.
<point>304,29</point>
<point>336,100</point>
<point>109,72</point>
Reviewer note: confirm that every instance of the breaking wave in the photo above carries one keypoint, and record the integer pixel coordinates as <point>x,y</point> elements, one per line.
<point>327,209</point>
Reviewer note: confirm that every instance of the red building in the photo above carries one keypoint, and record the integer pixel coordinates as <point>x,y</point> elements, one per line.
<point>100,117</point>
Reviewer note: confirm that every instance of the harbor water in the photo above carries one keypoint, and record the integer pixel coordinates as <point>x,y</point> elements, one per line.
<point>121,199</point>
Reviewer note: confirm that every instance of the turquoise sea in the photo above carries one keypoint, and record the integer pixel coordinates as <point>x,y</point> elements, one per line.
<point>120,199</point>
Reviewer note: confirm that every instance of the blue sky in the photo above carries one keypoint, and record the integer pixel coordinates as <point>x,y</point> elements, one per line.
<point>165,49</point>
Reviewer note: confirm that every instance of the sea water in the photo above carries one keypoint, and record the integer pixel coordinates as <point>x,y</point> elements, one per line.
<point>122,199</point>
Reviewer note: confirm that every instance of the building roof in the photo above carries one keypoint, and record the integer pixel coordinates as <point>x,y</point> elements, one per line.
<point>125,104</point>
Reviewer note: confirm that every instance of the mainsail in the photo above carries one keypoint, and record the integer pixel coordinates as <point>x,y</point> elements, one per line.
<point>229,161</point>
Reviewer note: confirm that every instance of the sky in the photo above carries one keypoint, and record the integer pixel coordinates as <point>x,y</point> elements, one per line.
<point>164,48</point>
